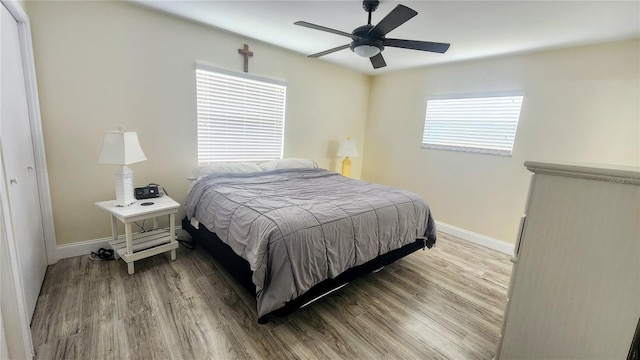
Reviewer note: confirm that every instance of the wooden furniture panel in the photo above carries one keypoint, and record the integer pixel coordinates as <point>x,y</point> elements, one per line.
<point>575,289</point>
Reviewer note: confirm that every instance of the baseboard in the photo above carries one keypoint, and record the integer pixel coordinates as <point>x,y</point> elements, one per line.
<point>476,238</point>
<point>82,248</point>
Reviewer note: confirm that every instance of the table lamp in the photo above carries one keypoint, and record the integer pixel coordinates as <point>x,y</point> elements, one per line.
<point>347,148</point>
<point>122,148</point>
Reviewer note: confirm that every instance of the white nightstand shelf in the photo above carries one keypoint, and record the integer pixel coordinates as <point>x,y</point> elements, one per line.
<point>144,244</point>
<point>132,247</point>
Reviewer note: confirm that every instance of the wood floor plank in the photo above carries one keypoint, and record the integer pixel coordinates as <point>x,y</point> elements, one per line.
<point>440,311</point>
<point>70,347</point>
<point>366,340</point>
<point>419,310</point>
<point>303,341</point>
<point>390,299</point>
<point>324,331</point>
<point>63,314</point>
<point>103,339</point>
<point>102,298</point>
<point>146,339</point>
<point>445,303</point>
<point>472,289</point>
<point>233,310</point>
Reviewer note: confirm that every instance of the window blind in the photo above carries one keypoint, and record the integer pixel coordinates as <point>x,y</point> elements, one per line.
<point>484,124</point>
<point>240,118</point>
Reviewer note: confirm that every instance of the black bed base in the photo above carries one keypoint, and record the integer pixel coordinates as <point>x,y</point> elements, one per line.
<point>240,270</point>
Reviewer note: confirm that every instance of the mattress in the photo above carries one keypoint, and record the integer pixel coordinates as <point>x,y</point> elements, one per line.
<point>299,227</point>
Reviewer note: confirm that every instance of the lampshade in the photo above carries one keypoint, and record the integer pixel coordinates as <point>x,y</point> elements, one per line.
<point>366,50</point>
<point>121,148</point>
<point>348,148</point>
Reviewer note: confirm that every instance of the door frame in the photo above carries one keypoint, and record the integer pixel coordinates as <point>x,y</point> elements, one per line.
<point>13,304</point>
<point>35,122</point>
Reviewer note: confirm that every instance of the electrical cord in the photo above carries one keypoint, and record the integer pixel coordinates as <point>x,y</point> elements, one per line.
<point>140,227</point>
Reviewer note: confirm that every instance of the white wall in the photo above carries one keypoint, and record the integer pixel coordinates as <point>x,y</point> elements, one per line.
<point>581,105</point>
<point>104,64</point>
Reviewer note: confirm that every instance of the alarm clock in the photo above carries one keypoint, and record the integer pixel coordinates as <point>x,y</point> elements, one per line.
<point>147,192</point>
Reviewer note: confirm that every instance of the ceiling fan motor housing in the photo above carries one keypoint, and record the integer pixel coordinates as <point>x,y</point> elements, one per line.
<point>361,32</point>
<point>370,5</point>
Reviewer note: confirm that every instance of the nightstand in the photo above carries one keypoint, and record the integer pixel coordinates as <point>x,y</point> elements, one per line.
<point>132,247</point>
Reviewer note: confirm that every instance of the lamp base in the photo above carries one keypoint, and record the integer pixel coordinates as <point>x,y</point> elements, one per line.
<point>124,187</point>
<point>346,167</point>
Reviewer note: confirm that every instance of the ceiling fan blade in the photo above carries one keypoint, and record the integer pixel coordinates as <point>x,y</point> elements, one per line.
<point>323,28</point>
<point>395,18</point>
<point>378,61</point>
<point>341,47</point>
<point>417,45</point>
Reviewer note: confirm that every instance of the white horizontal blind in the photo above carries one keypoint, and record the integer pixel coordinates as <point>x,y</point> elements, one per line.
<point>239,118</point>
<point>484,124</point>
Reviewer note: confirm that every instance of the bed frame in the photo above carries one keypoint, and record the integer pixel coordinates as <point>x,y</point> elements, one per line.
<point>240,270</point>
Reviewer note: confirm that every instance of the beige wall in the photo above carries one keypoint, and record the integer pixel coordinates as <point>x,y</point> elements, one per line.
<point>581,105</point>
<point>104,64</point>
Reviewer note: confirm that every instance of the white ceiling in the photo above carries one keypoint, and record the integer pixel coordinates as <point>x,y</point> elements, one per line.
<point>475,29</point>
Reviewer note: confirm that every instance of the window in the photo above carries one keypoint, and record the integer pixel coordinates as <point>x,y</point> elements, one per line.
<point>485,123</point>
<point>240,117</point>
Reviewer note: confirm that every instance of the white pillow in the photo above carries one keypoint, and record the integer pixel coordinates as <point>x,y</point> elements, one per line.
<point>289,163</point>
<point>224,167</point>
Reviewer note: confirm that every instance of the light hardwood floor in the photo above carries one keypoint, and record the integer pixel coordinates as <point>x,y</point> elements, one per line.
<point>446,302</point>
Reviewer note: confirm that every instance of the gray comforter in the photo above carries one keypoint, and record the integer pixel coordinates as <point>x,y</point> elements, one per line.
<point>298,227</point>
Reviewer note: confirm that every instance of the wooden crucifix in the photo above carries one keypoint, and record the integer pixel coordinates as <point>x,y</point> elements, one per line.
<point>247,54</point>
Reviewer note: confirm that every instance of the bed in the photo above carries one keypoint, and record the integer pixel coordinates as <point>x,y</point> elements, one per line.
<point>291,235</point>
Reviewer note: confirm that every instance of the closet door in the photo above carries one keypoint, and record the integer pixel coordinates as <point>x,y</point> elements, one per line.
<point>19,163</point>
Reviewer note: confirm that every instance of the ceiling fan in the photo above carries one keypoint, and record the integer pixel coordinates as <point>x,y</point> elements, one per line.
<point>369,40</point>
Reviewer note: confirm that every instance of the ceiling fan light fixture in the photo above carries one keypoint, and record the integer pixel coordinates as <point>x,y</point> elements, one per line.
<point>364,46</point>
<point>366,50</point>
